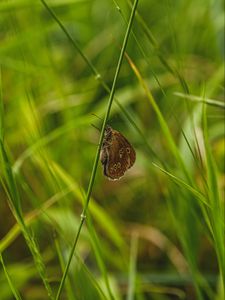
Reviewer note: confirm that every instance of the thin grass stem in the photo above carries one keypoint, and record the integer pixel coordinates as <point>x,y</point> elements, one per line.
<point>94,169</point>
<point>12,286</point>
<point>98,77</point>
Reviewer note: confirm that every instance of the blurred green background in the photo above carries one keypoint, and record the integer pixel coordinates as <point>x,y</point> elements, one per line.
<point>155,233</point>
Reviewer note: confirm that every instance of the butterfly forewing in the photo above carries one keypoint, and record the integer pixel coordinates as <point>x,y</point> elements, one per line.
<point>117,154</point>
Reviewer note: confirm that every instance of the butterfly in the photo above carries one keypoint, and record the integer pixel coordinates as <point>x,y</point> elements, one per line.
<point>117,155</point>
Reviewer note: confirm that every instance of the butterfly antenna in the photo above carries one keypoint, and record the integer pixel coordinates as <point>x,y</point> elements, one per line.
<point>96,127</point>
<point>97,116</point>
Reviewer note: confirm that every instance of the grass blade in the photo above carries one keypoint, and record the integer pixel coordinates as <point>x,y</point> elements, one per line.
<point>217,212</point>
<point>91,183</point>
<point>12,287</point>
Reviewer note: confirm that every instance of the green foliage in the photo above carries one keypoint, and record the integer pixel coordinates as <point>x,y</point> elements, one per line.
<point>157,233</point>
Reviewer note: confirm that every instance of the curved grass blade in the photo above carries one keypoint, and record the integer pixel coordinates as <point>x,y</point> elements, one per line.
<point>98,77</point>
<point>183,184</point>
<point>165,129</point>
<point>217,212</point>
<point>94,169</point>
<point>12,287</point>
<point>198,99</point>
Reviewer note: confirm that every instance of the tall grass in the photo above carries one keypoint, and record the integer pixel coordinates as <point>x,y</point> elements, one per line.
<point>158,233</point>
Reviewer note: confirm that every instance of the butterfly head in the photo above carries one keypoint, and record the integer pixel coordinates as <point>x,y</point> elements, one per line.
<point>108,130</point>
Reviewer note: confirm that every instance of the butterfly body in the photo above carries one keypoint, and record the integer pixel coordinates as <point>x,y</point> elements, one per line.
<point>117,155</point>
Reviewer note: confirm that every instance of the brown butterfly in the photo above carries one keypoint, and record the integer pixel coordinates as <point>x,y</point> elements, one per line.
<point>117,154</point>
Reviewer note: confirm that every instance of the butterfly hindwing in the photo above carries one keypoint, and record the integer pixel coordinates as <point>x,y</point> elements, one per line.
<point>117,154</point>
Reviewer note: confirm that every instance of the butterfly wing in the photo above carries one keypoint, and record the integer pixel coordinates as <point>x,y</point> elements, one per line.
<point>121,156</point>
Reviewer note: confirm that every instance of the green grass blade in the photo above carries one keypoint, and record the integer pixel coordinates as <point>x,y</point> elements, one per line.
<point>1,108</point>
<point>132,270</point>
<point>217,212</point>
<point>91,183</point>
<point>68,284</point>
<point>99,256</point>
<point>184,185</point>
<point>98,77</point>
<point>165,129</point>
<point>211,102</point>
<point>12,286</point>
<point>15,204</point>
